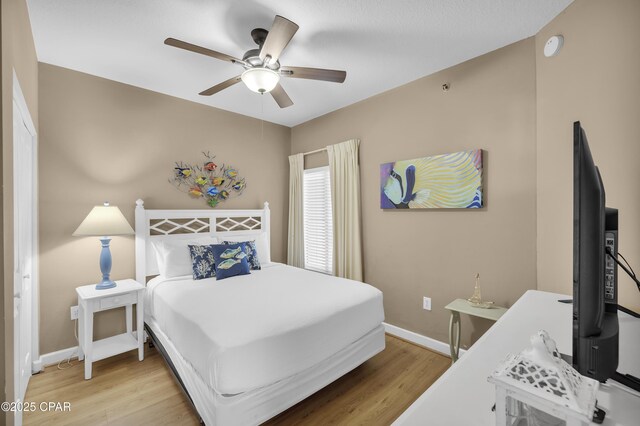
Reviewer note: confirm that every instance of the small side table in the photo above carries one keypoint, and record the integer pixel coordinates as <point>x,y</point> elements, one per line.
<point>459,306</point>
<point>126,293</point>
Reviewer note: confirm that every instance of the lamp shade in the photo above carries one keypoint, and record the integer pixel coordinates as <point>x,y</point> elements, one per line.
<point>260,80</point>
<point>104,221</point>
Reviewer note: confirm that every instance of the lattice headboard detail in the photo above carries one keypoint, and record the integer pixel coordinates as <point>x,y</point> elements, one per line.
<point>196,225</point>
<point>154,225</point>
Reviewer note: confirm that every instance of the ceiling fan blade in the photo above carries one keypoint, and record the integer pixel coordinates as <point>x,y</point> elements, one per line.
<point>281,96</point>
<point>202,50</point>
<point>314,74</point>
<point>221,86</point>
<point>279,36</point>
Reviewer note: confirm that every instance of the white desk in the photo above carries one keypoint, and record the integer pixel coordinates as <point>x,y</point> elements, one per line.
<point>462,396</point>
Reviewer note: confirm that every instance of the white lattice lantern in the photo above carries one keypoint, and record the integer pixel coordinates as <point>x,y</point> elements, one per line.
<point>537,387</point>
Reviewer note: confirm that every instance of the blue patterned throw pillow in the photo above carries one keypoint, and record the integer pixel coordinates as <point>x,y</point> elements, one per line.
<point>251,251</point>
<point>202,261</point>
<point>230,260</point>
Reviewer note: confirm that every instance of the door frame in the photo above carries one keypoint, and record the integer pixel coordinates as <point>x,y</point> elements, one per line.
<point>21,104</point>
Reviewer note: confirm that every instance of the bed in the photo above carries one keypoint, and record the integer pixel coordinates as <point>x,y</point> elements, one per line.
<point>248,347</point>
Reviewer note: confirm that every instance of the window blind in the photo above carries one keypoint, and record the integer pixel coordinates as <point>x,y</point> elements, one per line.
<point>318,227</point>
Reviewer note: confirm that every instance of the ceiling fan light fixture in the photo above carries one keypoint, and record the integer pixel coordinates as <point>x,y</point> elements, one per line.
<point>260,80</point>
<point>262,65</point>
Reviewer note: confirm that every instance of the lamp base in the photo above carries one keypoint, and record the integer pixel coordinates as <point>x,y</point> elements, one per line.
<point>105,285</point>
<point>105,265</point>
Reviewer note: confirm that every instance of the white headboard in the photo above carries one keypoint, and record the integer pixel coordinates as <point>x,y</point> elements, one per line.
<point>154,225</point>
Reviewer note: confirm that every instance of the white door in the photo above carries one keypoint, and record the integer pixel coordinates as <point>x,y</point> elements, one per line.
<point>24,148</point>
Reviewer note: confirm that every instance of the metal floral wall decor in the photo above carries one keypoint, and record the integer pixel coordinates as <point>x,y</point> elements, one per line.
<point>208,181</point>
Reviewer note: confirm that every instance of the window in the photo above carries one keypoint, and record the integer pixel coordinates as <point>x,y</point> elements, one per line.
<point>318,226</point>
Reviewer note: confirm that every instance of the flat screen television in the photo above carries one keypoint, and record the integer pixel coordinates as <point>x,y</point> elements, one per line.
<point>595,304</point>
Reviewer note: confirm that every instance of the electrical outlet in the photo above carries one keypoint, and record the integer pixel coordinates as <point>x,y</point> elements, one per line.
<point>426,303</point>
<point>74,312</point>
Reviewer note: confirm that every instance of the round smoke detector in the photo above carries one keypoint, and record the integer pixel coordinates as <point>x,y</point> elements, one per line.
<point>553,45</point>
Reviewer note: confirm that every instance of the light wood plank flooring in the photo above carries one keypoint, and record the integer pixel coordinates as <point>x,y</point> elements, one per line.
<point>124,391</point>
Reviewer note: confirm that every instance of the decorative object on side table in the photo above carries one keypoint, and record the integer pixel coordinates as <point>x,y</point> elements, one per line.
<point>104,221</point>
<point>459,306</point>
<point>452,181</point>
<point>537,387</point>
<point>476,299</point>
<point>209,181</point>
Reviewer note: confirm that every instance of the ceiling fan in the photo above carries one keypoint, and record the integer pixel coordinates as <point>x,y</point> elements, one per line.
<point>262,70</point>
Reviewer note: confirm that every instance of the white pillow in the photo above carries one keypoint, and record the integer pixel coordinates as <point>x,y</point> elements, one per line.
<point>262,246</point>
<point>173,257</point>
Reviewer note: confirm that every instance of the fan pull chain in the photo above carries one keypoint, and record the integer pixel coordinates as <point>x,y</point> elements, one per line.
<point>262,117</point>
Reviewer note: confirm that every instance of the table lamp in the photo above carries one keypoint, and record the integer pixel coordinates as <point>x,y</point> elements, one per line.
<point>104,221</point>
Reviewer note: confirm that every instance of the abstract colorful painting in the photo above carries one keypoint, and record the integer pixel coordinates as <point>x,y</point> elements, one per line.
<point>449,181</point>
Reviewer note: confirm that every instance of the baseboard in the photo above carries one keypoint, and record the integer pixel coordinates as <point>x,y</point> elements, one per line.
<point>53,358</point>
<point>419,339</point>
<point>36,366</point>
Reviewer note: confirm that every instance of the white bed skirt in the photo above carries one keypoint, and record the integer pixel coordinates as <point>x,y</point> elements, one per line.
<point>259,405</point>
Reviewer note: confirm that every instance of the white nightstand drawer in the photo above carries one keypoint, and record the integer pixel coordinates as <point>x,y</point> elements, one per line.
<point>119,300</point>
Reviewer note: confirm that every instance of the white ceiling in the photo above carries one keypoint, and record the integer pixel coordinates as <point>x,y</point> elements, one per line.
<point>381,44</point>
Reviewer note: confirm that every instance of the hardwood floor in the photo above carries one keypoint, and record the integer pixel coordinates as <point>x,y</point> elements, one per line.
<point>124,391</point>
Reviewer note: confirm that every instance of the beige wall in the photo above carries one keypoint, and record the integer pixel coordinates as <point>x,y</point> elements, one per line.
<point>18,52</point>
<point>100,141</point>
<point>594,79</point>
<point>436,253</point>
<point>103,140</point>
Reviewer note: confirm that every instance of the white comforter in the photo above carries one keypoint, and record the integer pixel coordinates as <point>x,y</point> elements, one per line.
<point>249,331</point>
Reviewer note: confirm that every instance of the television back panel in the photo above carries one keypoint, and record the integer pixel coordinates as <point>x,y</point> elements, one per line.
<point>610,268</point>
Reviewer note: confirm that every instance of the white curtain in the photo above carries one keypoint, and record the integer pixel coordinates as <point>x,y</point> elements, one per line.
<point>295,245</point>
<point>344,170</point>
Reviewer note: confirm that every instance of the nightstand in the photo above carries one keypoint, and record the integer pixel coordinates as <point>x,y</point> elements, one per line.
<point>126,293</point>
<point>461,306</point>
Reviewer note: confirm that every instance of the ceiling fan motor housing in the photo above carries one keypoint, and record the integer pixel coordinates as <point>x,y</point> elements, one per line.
<point>252,57</point>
